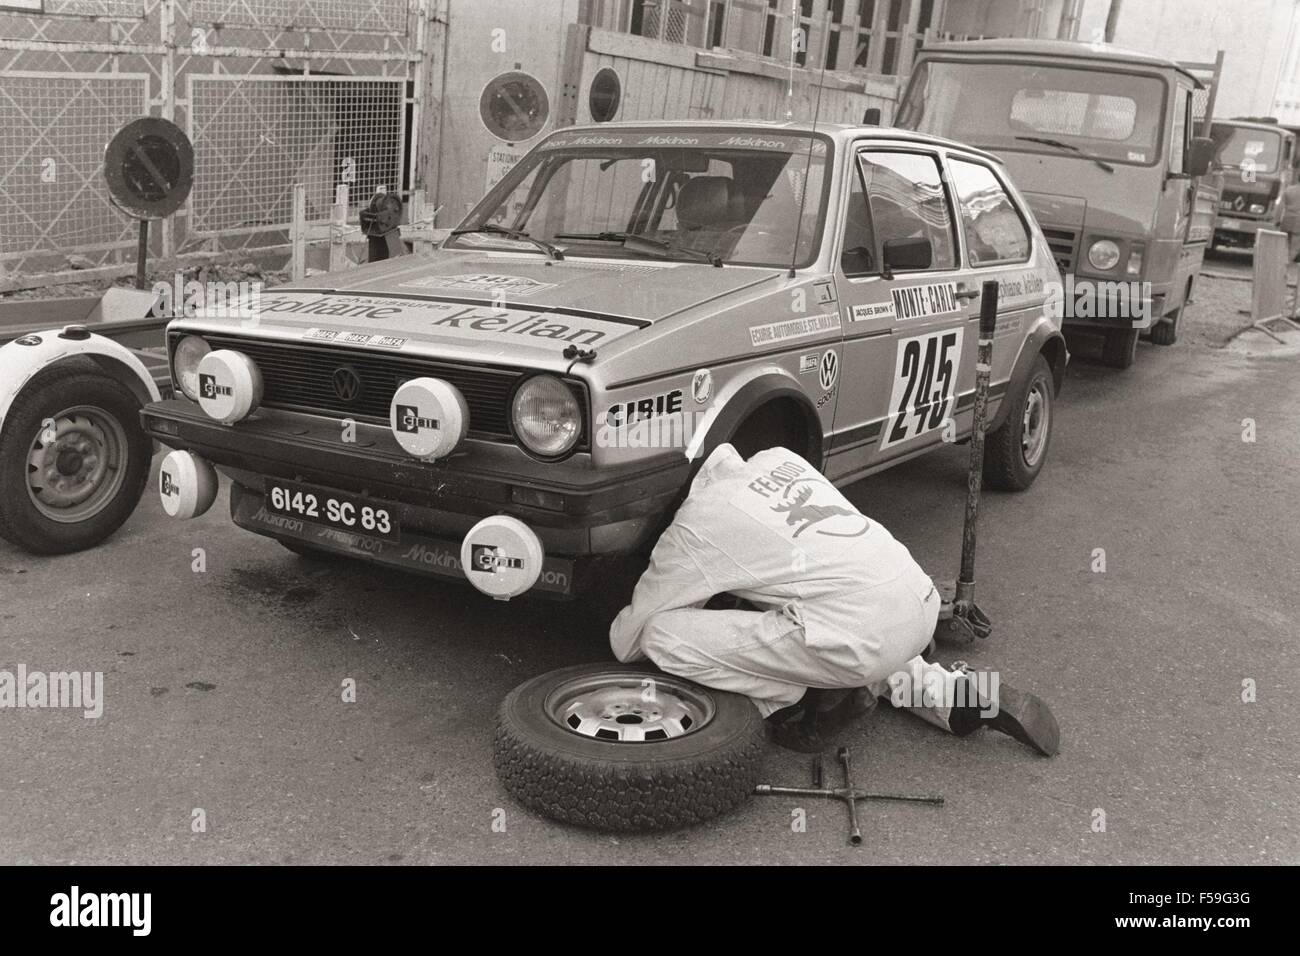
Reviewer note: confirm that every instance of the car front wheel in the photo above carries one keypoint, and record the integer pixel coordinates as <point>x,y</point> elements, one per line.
<point>73,461</point>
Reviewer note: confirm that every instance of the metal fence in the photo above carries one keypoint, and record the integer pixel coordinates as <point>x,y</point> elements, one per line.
<point>271,92</point>
<point>255,136</point>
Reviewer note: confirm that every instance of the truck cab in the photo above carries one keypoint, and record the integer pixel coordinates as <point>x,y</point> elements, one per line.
<point>1257,158</point>
<point>1103,144</point>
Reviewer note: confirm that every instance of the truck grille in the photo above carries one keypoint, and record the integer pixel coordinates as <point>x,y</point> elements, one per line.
<point>300,377</point>
<point>1064,246</point>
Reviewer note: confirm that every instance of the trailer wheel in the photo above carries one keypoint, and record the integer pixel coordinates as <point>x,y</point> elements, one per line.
<point>627,748</point>
<point>1120,348</point>
<point>73,461</point>
<point>1014,454</point>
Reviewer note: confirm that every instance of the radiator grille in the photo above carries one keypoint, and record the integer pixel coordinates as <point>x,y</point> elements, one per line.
<point>1064,246</point>
<point>300,377</point>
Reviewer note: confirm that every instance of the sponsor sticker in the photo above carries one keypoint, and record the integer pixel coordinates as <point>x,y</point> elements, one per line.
<point>798,328</point>
<point>873,310</point>
<point>824,292</point>
<point>644,409</point>
<point>809,361</point>
<point>355,338</point>
<point>923,301</point>
<point>517,286</point>
<point>702,386</point>
<point>481,323</point>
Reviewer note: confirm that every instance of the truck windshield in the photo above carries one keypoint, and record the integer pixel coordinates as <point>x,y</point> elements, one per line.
<point>1234,146</point>
<point>1029,108</point>
<point>647,194</point>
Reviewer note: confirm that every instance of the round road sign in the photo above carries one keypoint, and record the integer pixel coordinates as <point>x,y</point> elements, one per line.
<point>149,165</point>
<point>514,106</point>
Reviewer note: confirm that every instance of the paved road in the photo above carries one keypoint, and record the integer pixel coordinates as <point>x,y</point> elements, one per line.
<point>223,687</point>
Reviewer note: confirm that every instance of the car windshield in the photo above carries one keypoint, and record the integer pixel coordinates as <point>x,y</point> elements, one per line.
<point>733,197</point>
<point>1235,146</point>
<point>1020,107</point>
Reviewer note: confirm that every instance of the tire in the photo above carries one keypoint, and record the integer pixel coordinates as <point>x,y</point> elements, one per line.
<point>97,421</point>
<point>1120,348</point>
<point>622,785</point>
<point>1012,457</point>
<point>1165,332</point>
<point>769,426</point>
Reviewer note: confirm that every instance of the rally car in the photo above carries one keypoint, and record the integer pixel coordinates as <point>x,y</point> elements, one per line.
<point>535,395</point>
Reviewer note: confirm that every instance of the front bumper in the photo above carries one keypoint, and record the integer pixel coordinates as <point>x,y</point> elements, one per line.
<point>575,509</point>
<point>1099,305</point>
<point>1233,230</point>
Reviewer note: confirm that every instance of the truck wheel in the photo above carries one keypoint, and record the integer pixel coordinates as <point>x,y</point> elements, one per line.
<point>73,461</point>
<point>1014,454</point>
<point>584,745</point>
<point>1165,332</point>
<point>1120,348</point>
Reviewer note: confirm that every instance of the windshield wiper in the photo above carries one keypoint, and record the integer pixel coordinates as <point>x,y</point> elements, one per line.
<point>1047,141</point>
<point>518,234</point>
<point>656,245</point>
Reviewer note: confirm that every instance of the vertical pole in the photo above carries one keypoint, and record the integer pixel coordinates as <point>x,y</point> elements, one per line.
<point>298,233</point>
<point>142,255</point>
<point>975,476</point>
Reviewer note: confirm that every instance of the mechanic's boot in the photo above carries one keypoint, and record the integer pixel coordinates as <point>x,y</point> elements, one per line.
<point>961,702</point>
<point>813,722</point>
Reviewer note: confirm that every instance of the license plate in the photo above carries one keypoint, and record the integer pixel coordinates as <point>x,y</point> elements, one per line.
<point>1229,224</point>
<point>333,509</point>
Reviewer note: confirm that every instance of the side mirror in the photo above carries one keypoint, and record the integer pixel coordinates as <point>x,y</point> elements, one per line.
<point>871,117</point>
<point>907,254</point>
<point>1200,156</point>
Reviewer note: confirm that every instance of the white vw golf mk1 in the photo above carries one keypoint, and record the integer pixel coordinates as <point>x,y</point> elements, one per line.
<point>532,397</point>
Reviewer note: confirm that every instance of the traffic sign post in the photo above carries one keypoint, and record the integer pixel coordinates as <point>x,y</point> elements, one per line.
<point>149,167</point>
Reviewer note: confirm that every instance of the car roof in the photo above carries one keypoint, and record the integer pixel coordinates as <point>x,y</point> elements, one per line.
<point>841,132</point>
<point>1056,49</point>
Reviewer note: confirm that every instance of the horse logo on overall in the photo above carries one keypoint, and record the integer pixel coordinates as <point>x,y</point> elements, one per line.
<point>801,514</point>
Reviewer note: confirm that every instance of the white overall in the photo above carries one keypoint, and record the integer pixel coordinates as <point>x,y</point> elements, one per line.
<point>843,603</point>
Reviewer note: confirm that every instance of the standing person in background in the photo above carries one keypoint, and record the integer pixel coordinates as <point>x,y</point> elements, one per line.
<point>1291,226</point>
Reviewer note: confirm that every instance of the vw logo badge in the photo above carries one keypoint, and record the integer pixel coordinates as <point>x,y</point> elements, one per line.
<point>347,383</point>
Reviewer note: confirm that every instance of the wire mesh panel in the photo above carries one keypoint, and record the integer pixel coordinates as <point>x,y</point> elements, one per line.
<point>97,8</point>
<point>255,136</point>
<point>53,130</point>
<point>386,16</point>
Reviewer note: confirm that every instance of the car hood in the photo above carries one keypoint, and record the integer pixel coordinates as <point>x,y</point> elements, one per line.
<point>523,309</point>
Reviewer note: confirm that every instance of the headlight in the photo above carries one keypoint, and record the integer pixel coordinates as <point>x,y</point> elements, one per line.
<point>1257,208</point>
<point>1103,254</point>
<point>546,416</point>
<point>185,364</point>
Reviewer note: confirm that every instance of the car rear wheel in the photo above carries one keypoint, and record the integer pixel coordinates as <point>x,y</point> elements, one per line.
<point>627,748</point>
<point>1014,454</point>
<point>73,461</point>
<point>1120,348</point>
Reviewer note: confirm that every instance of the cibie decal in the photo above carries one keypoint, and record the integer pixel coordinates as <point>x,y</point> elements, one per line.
<point>922,301</point>
<point>644,409</point>
<point>516,286</point>
<point>801,327</point>
<point>874,310</point>
<point>925,383</point>
<point>410,420</point>
<point>488,559</point>
<point>829,370</point>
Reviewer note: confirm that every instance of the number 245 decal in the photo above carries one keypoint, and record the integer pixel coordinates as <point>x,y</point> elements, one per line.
<point>925,382</point>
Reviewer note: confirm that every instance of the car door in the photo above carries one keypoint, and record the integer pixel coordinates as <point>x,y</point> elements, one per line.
<point>905,332</point>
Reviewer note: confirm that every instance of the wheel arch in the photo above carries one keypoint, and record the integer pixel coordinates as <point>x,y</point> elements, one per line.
<point>1046,341</point>
<point>19,364</point>
<point>770,387</point>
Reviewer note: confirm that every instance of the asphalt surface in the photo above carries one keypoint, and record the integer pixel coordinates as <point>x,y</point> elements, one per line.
<point>223,688</point>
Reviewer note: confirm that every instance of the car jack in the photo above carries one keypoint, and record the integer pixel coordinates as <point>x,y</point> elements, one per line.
<point>848,793</point>
<point>960,619</point>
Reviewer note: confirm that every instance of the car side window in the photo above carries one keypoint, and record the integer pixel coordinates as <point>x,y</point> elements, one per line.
<point>994,230</point>
<point>858,254</point>
<point>907,201</point>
